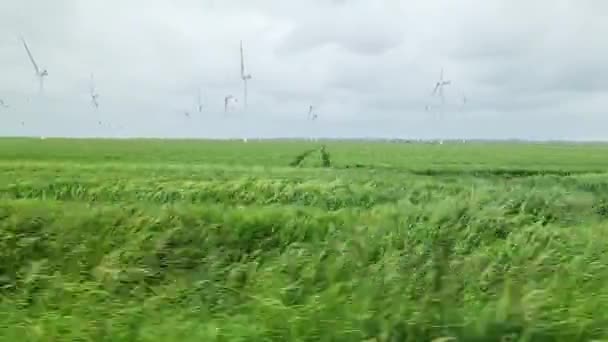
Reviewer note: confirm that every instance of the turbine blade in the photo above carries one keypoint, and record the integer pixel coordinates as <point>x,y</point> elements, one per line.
<point>29,53</point>
<point>242,61</point>
<point>437,86</point>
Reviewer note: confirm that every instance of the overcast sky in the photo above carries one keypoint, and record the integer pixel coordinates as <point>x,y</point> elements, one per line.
<point>529,69</point>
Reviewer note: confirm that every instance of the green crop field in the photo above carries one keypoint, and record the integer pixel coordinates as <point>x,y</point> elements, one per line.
<point>169,240</point>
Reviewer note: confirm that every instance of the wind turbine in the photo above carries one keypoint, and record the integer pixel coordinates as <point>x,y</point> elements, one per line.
<point>245,77</point>
<point>199,103</point>
<point>311,114</point>
<point>438,91</point>
<point>464,100</point>
<point>198,107</point>
<point>41,74</point>
<point>227,101</point>
<point>439,87</point>
<point>93,93</point>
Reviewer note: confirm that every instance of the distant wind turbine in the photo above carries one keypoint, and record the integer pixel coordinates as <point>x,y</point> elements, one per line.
<point>3,104</point>
<point>439,86</point>
<point>41,74</point>
<point>227,100</point>
<point>245,77</point>
<point>93,93</point>
<point>438,91</point>
<point>199,102</point>
<point>464,101</point>
<point>312,115</point>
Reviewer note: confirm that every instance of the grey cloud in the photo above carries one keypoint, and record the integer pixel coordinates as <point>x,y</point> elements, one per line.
<point>356,39</point>
<point>529,69</point>
<point>355,26</point>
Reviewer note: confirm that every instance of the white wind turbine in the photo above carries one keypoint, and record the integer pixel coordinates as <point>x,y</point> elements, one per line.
<point>312,116</point>
<point>93,93</point>
<point>245,77</point>
<point>463,101</point>
<point>198,107</point>
<point>438,91</point>
<point>199,101</point>
<point>41,74</point>
<point>227,100</point>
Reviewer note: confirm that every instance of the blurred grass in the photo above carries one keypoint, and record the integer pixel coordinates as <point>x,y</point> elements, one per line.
<point>222,241</point>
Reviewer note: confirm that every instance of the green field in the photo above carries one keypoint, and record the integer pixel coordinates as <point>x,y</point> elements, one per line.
<point>166,240</point>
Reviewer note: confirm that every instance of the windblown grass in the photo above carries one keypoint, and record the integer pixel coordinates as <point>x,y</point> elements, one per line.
<point>235,245</point>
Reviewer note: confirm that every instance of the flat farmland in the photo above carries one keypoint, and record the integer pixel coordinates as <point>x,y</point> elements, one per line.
<point>193,240</point>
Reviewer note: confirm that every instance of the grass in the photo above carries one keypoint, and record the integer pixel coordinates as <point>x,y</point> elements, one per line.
<point>150,240</point>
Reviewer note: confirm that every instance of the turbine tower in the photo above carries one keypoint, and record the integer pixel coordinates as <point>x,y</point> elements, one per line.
<point>245,77</point>
<point>41,74</point>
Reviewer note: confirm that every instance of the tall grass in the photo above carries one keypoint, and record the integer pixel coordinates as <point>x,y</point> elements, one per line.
<point>189,253</point>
